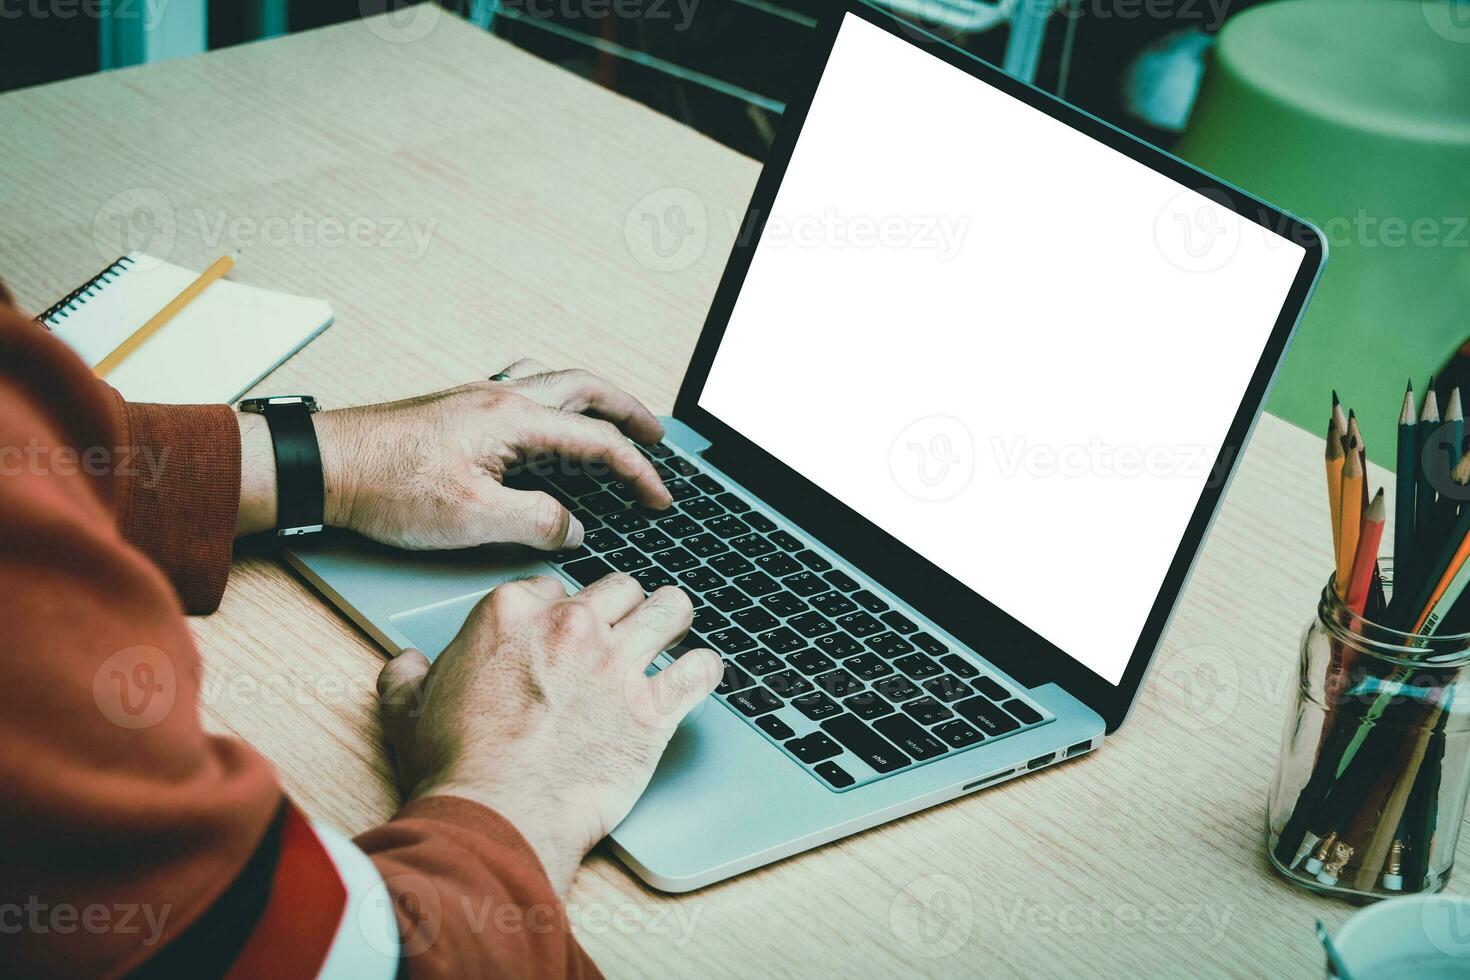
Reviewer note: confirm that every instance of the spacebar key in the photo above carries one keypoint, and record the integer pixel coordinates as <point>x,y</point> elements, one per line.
<point>865,743</point>
<point>587,570</point>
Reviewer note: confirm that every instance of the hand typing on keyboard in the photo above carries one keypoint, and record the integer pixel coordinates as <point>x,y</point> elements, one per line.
<point>428,472</point>
<point>540,709</point>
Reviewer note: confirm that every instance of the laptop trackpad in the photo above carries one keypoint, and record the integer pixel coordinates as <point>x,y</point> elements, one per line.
<point>430,627</point>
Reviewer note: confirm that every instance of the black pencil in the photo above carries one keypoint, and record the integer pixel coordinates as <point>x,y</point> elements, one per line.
<point>1403,520</point>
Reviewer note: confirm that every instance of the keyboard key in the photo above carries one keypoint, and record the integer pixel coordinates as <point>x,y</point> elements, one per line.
<point>565,556</point>
<point>735,679</point>
<point>678,526</point>
<point>573,484</point>
<point>833,604</point>
<point>1027,714</point>
<point>733,503</point>
<point>705,545</point>
<point>751,545</point>
<point>600,502</point>
<point>602,539</point>
<point>675,559</point>
<point>777,564</point>
<point>899,622</point>
<point>859,623</point>
<point>869,666</point>
<point>989,687</point>
<point>755,701</point>
<point>814,748</point>
<point>888,645</point>
<point>928,644</point>
<point>757,584</point>
<point>680,489</point>
<point>703,508</point>
<point>841,580</point>
<point>834,774</point>
<point>816,706</point>
<point>957,663</point>
<point>838,645</point>
<point>811,624</point>
<point>701,579</point>
<point>664,473</point>
<point>653,578</point>
<point>587,570</point>
<point>727,526</point>
<point>838,683</point>
<point>707,619</point>
<point>729,599</point>
<point>958,734</point>
<point>868,706</point>
<point>784,604</point>
<point>628,559</point>
<point>910,737</point>
<point>986,716</point>
<point>785,540</point>
<point>787,683</point>
<point>870,602</point>
<point>626,521</point>
<point>804,584</point>
<point>782,640</point>
<point>761,523</point>
<point>649,540</point>
<point>947,688</point>
<point>778,729</point>
<point>865,743</point>
<point>918,666</point>
<point>757,620</point>
<point>730,565</point>
<point>731,640</point>
<point>658,450</point>
<point>813,560</point>
<point>896,689</point>
<point>927,711</point>
<point>707,483</point>
<point>681,466</point>
<point>759,662</point>
<point>622,491</point>
<point>809,662</point>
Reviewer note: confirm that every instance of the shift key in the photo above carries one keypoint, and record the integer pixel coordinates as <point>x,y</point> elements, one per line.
<point>865,743</point>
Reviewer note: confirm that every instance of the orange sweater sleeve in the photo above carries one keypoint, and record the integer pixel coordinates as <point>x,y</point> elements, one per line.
<point>131,837</point>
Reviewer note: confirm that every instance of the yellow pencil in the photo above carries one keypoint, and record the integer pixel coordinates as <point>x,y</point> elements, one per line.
<point>1335,457</point>
<point>140,336</point>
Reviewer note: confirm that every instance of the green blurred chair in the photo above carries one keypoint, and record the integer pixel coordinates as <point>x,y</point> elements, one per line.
<point>1354,114</point>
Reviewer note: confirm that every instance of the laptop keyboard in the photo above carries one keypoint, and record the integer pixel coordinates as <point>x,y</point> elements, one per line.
<point>848,687</point>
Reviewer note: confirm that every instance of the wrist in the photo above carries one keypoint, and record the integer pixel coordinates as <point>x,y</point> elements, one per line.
<point>334,436</point>
<point>257,510</point>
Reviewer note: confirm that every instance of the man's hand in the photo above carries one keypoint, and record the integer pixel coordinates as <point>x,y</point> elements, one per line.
<point>427,472</point>
<point>540,709</point>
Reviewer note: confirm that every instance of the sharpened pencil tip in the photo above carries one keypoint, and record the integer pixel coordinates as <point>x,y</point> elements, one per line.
<point>1335,401</point>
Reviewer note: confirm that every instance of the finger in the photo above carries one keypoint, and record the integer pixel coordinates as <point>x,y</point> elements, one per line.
<point>534,518</point>
<point>524,368</point>
<point>686,682</point>
<point>658,623</point>
<point>578,437</point>
<point>543,585</point>
<point>584,392</point>
<point>400,692</point>
<point>612,597</point>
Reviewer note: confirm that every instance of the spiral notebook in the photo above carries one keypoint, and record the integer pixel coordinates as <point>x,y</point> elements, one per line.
<point>213,350</point>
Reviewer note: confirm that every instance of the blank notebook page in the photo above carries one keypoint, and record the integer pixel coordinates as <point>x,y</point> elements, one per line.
<point>213,350</point>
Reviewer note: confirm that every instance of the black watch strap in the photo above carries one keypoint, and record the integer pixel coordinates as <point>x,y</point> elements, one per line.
<point>300,490</point>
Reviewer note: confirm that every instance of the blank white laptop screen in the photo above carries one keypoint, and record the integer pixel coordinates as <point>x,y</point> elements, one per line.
<point>1011,347</point>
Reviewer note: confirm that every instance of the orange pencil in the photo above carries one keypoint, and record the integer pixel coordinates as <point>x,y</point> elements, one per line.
<point>156,322</point>
<point>1352,515</point>
<point>1356,434</point>
<point>1365,558</point>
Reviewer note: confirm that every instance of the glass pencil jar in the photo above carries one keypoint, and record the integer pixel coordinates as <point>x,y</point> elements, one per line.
<point>1370,785</point>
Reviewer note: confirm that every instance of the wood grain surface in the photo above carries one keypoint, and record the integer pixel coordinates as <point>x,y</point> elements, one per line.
<point>463,204</point>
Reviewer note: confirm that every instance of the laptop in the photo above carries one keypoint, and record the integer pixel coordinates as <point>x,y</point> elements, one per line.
<point>966,401</point>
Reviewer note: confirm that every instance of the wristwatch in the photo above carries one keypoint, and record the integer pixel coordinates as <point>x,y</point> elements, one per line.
<point>300,490</point>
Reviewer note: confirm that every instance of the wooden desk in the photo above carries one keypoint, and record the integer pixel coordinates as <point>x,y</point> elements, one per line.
<point>1142,860</point>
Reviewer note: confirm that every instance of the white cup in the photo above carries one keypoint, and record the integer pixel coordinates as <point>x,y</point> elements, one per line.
<point>1417,937</point>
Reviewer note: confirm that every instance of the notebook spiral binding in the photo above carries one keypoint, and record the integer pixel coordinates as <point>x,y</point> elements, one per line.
<point>79,296</point>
